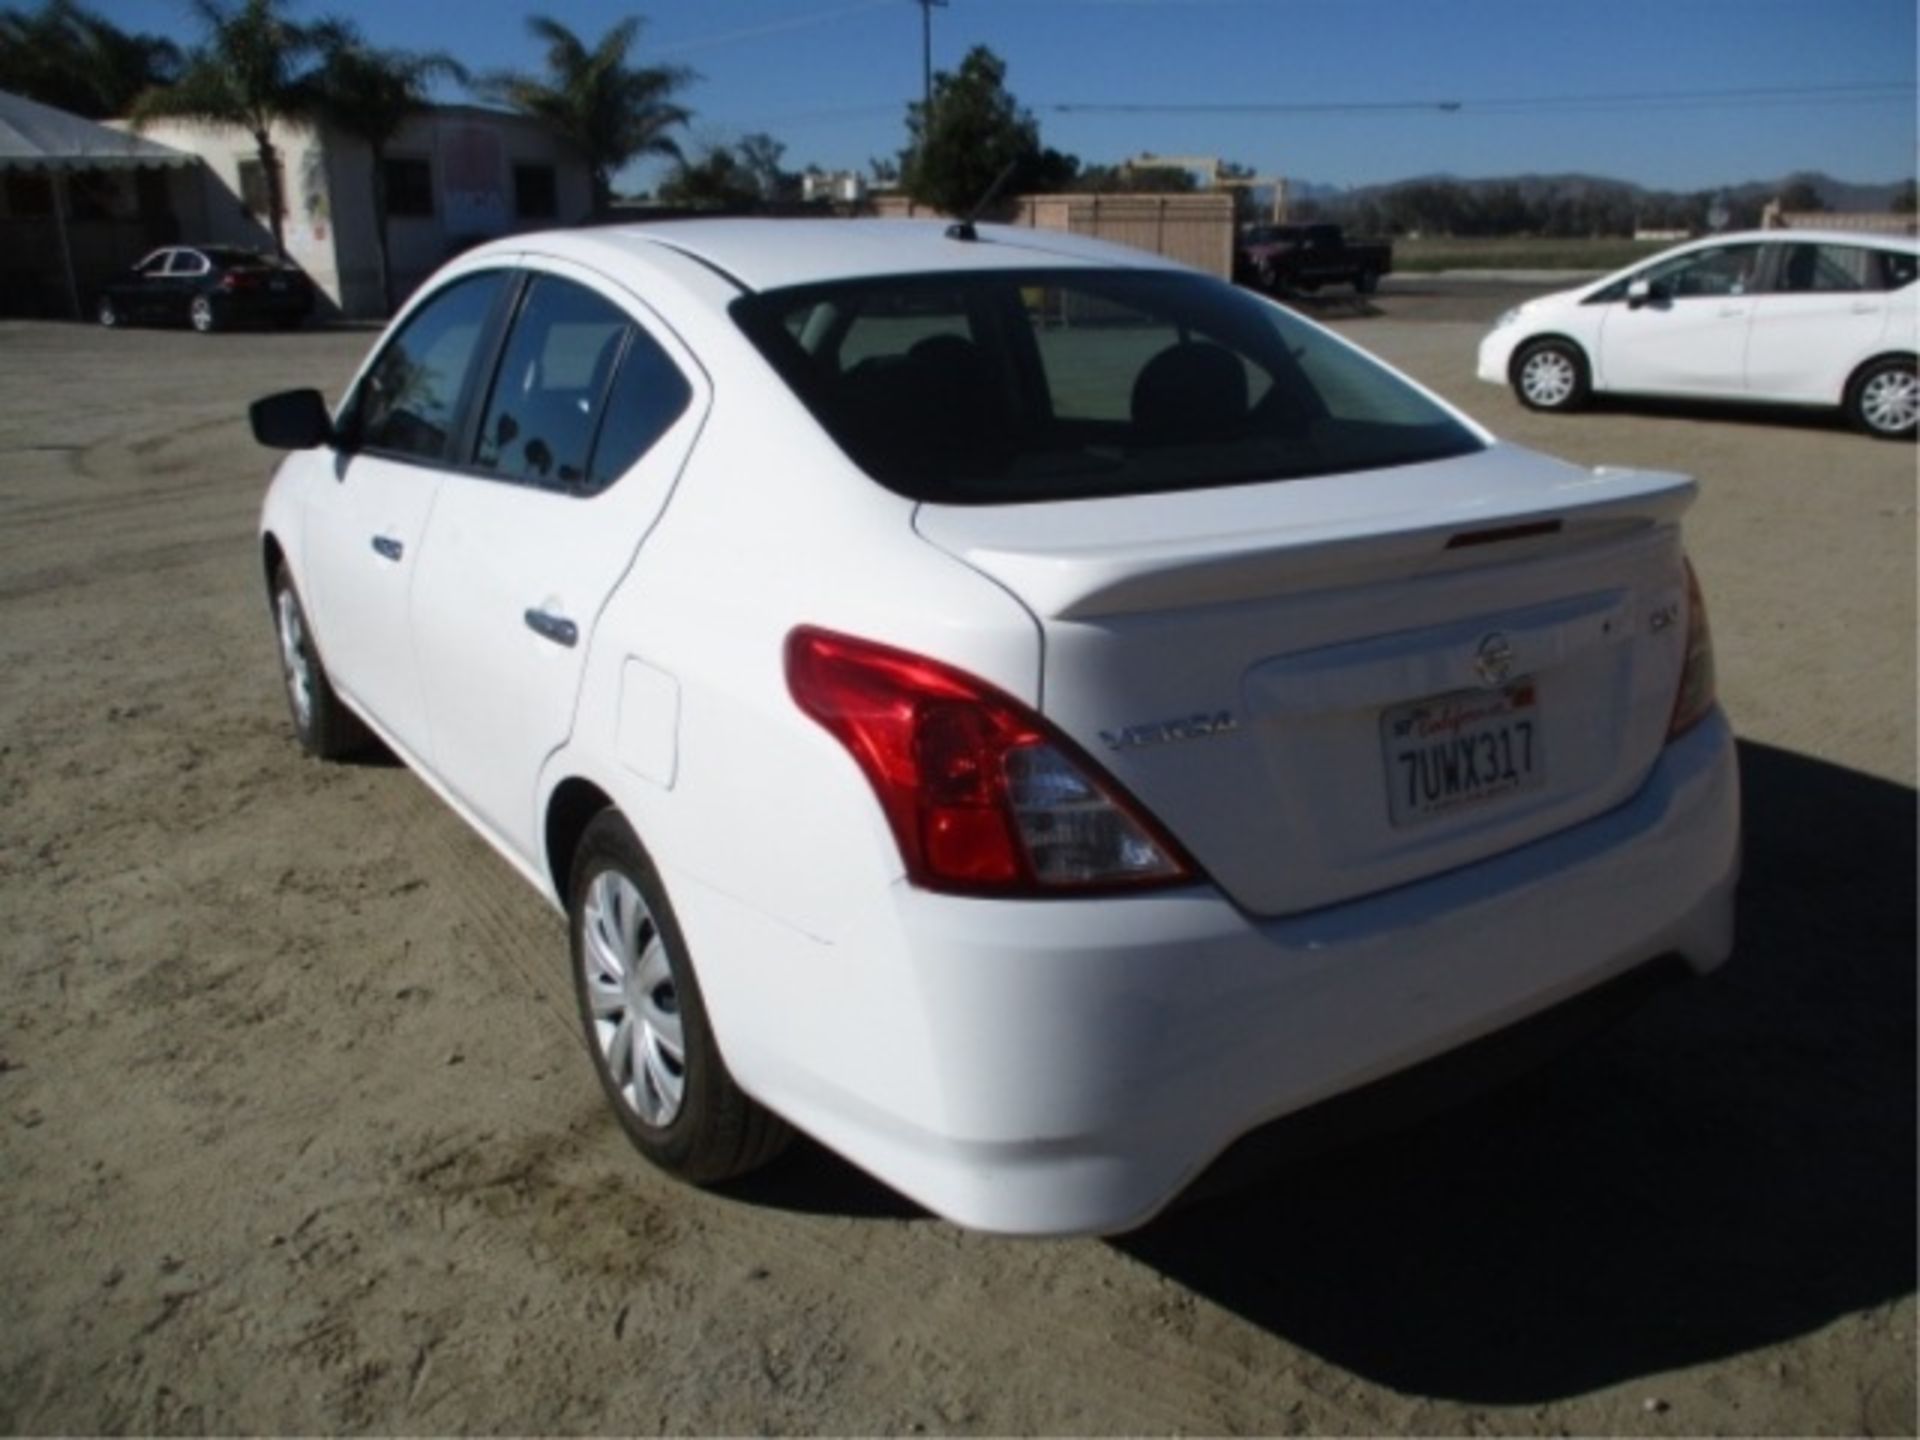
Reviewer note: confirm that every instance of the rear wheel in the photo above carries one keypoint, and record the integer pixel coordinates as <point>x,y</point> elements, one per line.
<point>1551,375</point>
<point>1884,399</point>
<point>1366,282</point>
<point>107,314</point>
<point>646,1023</point>
<point>202,316</point>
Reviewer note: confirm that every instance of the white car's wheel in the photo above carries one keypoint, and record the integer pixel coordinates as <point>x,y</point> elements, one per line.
<point>1884,399</point>
<point>1551,375</point>
<point>646,1024</point>
<point>323,725</point>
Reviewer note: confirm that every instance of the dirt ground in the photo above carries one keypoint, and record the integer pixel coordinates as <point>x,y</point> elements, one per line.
<point>296,1135</point>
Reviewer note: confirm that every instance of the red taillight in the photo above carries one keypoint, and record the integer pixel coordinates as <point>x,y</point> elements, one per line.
<point>982,795</point>
<point>239,280</point>
<point>1696,694</point>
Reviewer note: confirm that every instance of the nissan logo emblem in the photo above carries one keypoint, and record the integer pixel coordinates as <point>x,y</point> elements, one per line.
<point>1493,661</point>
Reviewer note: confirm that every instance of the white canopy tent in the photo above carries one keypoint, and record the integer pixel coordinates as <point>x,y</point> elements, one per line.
<point>38,137</point>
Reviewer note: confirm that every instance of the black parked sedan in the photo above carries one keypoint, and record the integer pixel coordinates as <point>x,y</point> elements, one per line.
<point>208,287</point>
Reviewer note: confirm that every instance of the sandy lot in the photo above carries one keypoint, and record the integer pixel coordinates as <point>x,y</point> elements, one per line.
<point>295,1133</point>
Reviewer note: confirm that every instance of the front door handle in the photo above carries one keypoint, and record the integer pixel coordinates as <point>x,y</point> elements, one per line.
<point>557,628</point>
<point>387,548</point>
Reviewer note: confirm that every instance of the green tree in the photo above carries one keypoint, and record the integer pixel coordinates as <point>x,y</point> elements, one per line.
<point>1800,196</point>
<point>370,94</point>
<point>65,55</point>
<point>760,156</point>
<point>608,110</point>
<point>250,72</point>
<point>976,131</point>
<point>718,180</point>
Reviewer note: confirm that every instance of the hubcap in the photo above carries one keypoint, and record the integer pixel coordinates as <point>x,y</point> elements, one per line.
<point>202,315</point>
<point>293,657</point>
<point>1547,378</point>
<point>1891,401</point>
<point>633,1001</point>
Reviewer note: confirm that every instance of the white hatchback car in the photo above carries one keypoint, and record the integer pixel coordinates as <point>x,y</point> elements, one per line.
<point>1020,711</point>
<point>1787,317</point>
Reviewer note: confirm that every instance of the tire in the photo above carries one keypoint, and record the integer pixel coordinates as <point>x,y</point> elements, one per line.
<point>324,726</point>
<point>1366,282</point>
<point>1884,400</point>
<point>106,314</point>
<point>1551,375</point>
<point>1270,280</point>
<point>202,316</point>
<point>645,1021</point>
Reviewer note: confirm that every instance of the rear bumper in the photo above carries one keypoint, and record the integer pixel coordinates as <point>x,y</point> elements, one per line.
<point>1069,1067</point>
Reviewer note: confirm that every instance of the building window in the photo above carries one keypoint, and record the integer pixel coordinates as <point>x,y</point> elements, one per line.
<point>535,192</point>
<point>253,190</point>
<point>409,188</point>
<point>29,194</point>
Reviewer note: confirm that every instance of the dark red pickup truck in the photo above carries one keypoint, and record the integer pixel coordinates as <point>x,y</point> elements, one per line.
<point>1305,257</point>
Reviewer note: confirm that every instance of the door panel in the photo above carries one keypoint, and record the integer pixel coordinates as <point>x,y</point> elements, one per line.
<point>364,537</point>
<point>518,568</point>
<point>1825,312</point>
<point>1690,337</point>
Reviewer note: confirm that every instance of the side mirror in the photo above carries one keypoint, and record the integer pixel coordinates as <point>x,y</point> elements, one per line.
<point>291,420</point>
<point>1639,292</point>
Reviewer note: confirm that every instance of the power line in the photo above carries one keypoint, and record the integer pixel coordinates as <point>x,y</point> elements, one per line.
<point>1867,92</point>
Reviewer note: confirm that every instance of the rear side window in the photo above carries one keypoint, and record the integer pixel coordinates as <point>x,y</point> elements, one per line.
<point>1010,386</point>
<point>649,393</point>
<point>409,403</point>
<point>551,386</point>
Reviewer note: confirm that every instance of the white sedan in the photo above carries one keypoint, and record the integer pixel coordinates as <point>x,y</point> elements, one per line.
<point>1026,714</point>
<point>1789,317</point>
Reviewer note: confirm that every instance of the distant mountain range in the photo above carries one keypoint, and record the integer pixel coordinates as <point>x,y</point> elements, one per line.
<point>1834,194</point>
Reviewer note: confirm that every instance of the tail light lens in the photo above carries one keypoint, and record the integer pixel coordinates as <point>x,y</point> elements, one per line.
<point>983,796</point>
<point>1696,695</point>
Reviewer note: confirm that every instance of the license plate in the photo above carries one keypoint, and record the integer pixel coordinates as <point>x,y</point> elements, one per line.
<point>1453,751</point>
<point>276,284</point>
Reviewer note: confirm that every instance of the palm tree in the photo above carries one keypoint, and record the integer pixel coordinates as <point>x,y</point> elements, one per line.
<point>369,94</point>
<point>608,110</point>
<point>66,56</point>
<point>248,75</point>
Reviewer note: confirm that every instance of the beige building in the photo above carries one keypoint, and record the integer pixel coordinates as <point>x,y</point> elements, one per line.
<point>456,175</point>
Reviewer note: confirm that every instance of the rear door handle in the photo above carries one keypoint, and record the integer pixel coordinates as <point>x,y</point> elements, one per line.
<point>387,548</point>
<point>557,628</point>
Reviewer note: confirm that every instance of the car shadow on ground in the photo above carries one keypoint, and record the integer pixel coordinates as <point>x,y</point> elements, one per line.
<point>1731,1167</point>
<point>1791,417</point>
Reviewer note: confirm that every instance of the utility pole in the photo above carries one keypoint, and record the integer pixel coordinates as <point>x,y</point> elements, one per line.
<point>926,60</point>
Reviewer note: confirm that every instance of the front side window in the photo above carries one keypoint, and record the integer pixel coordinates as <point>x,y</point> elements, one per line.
<point>408,404</point>
<point>155,264</point>
<point>550,389</point>
<point>1719,271</point>
<point>1012,386</point>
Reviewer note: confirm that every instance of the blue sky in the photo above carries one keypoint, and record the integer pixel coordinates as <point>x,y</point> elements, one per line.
<point>830,78</point>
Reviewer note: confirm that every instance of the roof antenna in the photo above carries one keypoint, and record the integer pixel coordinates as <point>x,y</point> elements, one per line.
<point>963,229</point>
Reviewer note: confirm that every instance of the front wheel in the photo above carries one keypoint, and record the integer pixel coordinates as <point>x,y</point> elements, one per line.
<point>324,726</point>
<point>1884,400</point>
<point>646,1023</point>
<point>1551,375</point>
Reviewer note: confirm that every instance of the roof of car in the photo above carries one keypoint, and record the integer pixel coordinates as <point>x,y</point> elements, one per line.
<point>1787,236</point>
<point>774,254</point>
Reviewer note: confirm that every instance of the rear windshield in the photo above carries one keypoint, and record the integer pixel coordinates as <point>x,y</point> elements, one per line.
<point>1010,386</point>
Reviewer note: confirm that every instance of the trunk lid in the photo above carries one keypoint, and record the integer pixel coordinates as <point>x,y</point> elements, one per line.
<point>1327,687</point>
